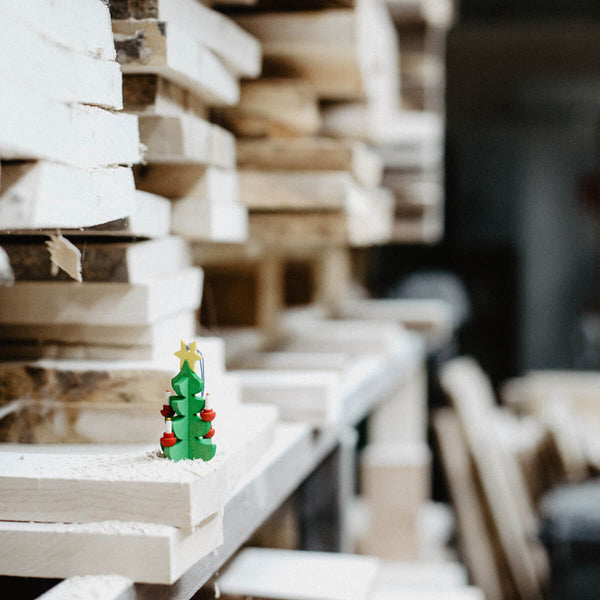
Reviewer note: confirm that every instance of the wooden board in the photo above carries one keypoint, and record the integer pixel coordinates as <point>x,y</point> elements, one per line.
<point>92,35</point>
<point>117,262</point>
<point>144,487</point>
<point>344,53</point>
<point>143,552</point>
<point>64,74</point>
<point>412,137</point>
<point>294,190</point>
<point>151,342</point>
<point>275,108</point>
<point>83,136</point>
<point>481,555</point>
<point>42,194</point>
<point>188,180</point>
<point>96,303</point>
<point>311,154</point>
<point>510,508</point>
<point>237,48</point>
<point>149,46</point>
<point>313,397</point>
<point>271,573</point>
<point>148,94</point>
<point>209,220</point>
<point>186,139</point>
<point>370,216</point>
<point>303,229</point>
<point>110,587</point>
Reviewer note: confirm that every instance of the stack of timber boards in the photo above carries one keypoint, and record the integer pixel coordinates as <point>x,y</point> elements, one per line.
<point>178,58</point>
<point>57,120</point>
<point>70,144</point>
<point>302,188</point>
<point>132,513</point>
<point>422,28</point>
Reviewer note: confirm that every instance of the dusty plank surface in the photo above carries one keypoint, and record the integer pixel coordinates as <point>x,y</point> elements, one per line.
<point>149,46</point>
<point>41,194</point>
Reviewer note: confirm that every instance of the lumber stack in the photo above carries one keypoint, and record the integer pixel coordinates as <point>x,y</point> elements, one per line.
<point>96,293</point>
<point>414,171</point>
<point>178,59</point>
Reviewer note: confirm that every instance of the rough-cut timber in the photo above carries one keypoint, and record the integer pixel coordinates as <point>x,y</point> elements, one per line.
<point>62,74</point>
<point>236,47</point>
<point>100,303</point>
<point>147,46</point>
<point>83,136</point>
<point>116,262</point>
<point>41,194</point>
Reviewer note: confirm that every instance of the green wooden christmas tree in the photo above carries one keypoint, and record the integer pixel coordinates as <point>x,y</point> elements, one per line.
<point>189,422</point>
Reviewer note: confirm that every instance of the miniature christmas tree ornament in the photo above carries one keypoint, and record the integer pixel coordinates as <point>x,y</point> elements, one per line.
<point>188,419</point>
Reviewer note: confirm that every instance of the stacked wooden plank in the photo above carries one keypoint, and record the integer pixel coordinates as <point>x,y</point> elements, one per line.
<point>301,188</point>
<point>178,58</point>
<point>63,149</point>
<point>414,171</point>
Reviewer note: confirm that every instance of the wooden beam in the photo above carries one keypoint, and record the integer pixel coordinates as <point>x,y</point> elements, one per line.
<point>117,262</point>
<point>150,46</point>
<point>63,75</point>
<point>143,487</point>
<point>96,303</point>
<point>82,136</point>
<point>93,34</point>
<point>150,94</point>
<point>148,552</point>
<point>205,219</point>
<point>186,139</point>
<point>238,49</point>
<point>42,194</point>
<point>188,180</point>
<point>275,108</point>
<point>346,54</point>
<point>312,154</point>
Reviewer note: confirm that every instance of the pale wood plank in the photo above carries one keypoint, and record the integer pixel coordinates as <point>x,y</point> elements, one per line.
<point>481,555</point>
<point>131,262</point>
<point>98,303</point>
<point>149,46</point>
<point>154,95</point>
<point>312,154</point>
<point>238,49</point>
<point>143,552</point>
<point>209,220</point>
<point>304,229</point>
<point>189,180</point>
<point>108,587</point>
<point>80,25</point>
<point>186,139</point>
<point>271,573</point>
<point>63,74</point>
<point>505,494</point>
<point>143,487</point>
<point>42,194</point>
<point>78,135</point>
<point>344,53</point>
<point>275,108</point>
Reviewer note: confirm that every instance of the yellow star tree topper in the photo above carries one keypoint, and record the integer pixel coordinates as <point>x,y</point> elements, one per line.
<point>188,353</point>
